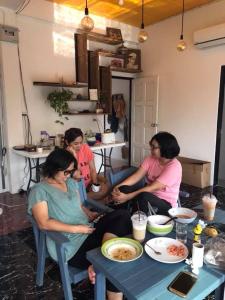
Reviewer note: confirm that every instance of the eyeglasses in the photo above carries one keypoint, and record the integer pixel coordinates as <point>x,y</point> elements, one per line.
<point>153,147</point>
<point>69,172</point>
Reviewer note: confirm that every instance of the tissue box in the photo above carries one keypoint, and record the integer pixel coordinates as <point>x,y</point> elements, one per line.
<point>108,138</point>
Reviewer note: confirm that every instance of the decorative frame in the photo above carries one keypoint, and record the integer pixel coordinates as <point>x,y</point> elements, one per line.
<point>133,60</point>
<point>114,34</point>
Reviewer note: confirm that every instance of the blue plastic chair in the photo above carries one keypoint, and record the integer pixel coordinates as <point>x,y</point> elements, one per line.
<point>68,274</point>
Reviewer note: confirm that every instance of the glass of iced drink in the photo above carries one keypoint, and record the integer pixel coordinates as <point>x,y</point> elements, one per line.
<point>209,206</point>
<point>139,222</point>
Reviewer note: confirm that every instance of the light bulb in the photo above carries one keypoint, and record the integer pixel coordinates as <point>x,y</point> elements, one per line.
<point>142,36</point>
<point>121,2</point>
<point>87,23</point>
<point>181,46</point>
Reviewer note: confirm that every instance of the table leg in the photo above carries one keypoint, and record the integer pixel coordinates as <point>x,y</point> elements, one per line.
<point>30,173</point>
<point>99,286</point>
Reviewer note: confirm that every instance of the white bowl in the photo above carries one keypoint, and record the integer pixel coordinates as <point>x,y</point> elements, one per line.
<point>154,226</point>
<point>185,215</point>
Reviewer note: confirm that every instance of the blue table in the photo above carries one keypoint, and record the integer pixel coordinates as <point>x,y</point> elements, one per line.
<point>147,279</point>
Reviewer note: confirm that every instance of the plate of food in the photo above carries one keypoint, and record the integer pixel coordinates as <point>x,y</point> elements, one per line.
<point>166,250</point>
<point>122,249</point>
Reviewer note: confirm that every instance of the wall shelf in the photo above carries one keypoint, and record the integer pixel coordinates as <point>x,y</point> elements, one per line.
<point>101,38</point>
<point>60,84</point>
<point>84,114</point>
<point>82,100</point>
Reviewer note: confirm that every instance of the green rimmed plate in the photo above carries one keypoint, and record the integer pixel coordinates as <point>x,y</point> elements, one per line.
<point>122,249</point>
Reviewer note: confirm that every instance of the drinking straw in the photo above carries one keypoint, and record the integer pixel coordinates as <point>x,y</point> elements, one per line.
<point>139,213</point>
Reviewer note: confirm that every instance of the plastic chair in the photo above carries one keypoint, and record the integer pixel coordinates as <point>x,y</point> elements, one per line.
<point>68,274</point>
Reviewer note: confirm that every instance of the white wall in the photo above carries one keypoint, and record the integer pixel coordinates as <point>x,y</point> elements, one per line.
<point>46,46</point>
<point>188,81</point>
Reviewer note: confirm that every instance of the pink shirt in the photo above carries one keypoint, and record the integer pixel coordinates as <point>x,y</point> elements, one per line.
<point>169,175</point>
<point>84,157</point>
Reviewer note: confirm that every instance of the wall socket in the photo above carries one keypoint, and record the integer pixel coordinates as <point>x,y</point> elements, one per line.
<point>9,34</point>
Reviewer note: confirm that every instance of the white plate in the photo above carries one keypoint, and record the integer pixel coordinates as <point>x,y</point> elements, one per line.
<point>109,248</point>
<point>160,244</point>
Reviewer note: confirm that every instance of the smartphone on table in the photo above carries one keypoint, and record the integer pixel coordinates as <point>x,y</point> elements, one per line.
<point>182,284</point>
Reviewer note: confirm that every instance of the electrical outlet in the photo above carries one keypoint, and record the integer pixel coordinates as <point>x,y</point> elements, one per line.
<point>9,34</point>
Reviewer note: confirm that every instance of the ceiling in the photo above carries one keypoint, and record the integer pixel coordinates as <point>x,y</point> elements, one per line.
<point>130,12</point>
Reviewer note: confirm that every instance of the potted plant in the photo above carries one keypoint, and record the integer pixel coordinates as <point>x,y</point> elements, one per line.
<point>58,101</point>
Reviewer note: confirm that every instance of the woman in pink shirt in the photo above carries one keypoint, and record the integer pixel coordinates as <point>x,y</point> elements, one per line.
<point>162,172</point>
<point>73,142</point>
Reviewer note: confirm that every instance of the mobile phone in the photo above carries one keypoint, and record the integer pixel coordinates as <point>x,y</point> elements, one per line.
<point>182,284</point>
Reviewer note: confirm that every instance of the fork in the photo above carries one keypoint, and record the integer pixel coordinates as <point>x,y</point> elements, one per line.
<point>156,252</point>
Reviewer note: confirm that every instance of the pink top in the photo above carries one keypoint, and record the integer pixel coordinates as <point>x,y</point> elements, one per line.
<point>84,156</point>
<point>169,175</point>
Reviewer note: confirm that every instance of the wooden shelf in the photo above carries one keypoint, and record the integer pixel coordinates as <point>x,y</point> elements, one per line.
<point>125,70</point>
<point>84,114</point>
<point>82,100</point>
<point>101,38</point>
<point>60,84</point>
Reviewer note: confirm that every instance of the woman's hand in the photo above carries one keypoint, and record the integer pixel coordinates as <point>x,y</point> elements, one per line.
<point>92,215</point>
<point>91,274</point>
<point>84,229</point>
<point>120,197</point>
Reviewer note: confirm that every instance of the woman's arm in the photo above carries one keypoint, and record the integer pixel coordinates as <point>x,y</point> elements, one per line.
<point>40,213</point>
<point>93,172</point>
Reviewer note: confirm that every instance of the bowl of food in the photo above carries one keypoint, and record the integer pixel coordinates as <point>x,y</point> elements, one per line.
<point>154,225</point>
<point>184,215</point>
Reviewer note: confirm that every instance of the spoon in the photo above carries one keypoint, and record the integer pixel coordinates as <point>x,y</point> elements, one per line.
<point>173,218</point>
<point>156,252</point>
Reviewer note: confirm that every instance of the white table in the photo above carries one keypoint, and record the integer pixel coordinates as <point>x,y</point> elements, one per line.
<point>34,158</point>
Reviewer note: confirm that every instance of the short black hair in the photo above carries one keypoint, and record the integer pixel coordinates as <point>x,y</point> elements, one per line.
<point>58,160</point>
<point>168,144</point>
<point>71,134</point>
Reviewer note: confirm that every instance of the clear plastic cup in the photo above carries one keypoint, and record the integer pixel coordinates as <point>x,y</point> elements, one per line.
<point>139,222</point>
<point>181,232</point>
<point>209,206</point>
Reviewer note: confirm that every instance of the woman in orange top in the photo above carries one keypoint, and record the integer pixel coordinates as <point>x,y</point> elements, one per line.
<point>73,142</point>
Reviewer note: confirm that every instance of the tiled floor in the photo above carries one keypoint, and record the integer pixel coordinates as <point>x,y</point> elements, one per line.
<point>18,259</point>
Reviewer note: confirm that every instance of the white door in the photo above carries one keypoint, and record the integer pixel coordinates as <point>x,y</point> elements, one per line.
<point>144,116</point>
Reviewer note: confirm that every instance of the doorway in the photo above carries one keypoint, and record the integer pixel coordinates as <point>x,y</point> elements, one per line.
<point>219,173</point>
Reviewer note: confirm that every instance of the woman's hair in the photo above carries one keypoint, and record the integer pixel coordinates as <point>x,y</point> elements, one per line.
<point>168,144</point>
<point>71,134</point>
<point>58,160</point>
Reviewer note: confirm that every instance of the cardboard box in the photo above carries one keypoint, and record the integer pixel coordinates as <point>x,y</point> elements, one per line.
<point>195,172</point>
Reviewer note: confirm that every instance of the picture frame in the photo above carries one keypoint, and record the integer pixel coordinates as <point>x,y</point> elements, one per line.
<point>114,34</point>
<point>133,60</point>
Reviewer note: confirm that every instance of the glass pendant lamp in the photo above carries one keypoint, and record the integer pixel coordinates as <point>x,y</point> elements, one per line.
<point>181,46</point>
<point>143,35</point>
<point>87,23</point>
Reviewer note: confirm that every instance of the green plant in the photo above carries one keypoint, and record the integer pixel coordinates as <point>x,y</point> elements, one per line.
<point>58,101</point>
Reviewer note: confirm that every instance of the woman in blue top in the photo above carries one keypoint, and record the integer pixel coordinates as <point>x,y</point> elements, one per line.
<point>55,204</point>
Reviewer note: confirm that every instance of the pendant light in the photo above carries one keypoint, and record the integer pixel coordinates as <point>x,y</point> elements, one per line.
<point>143,35</point>
<point>87,23</point>
<point>181,46</point>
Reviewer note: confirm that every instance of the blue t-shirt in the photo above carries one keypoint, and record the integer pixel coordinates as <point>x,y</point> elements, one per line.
<point>64,207</point>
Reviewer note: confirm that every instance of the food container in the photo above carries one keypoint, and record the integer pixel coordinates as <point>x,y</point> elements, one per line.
<point>154,225</point>
<point>185,215</point>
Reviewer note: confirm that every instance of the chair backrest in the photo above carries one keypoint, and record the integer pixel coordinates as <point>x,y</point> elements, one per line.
<point>82,191</point>
<point>36,230</point>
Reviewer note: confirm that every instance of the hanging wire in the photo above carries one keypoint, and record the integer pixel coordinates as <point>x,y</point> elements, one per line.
<point>142,15</point>
<point>182,22</point>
